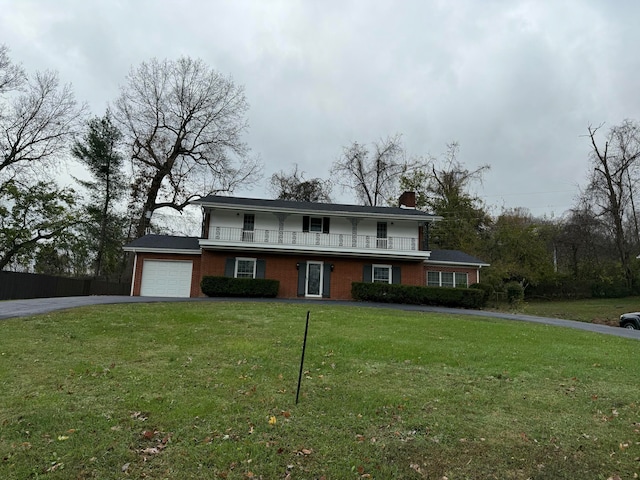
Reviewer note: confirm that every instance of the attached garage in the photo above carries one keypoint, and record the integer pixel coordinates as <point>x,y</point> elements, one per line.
<point>165,266</point>
<point>166,278</point>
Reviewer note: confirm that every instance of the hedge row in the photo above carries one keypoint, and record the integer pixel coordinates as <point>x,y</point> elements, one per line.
<point>239,287</point>
<point>440,296</point>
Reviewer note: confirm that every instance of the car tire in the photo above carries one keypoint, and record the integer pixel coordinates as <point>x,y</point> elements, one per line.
<point>630,326</point>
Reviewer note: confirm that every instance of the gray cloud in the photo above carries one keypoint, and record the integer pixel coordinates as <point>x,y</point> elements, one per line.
<point>516,83</point>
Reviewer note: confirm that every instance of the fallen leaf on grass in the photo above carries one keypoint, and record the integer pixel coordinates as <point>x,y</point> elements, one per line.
<point>55,466</point>
<point>272,420</point>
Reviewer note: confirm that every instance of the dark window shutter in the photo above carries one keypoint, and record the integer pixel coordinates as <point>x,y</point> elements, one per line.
<point>305,223</point>
<point>367,274</point>
<point>326,281</point>
<point>261,266</point>
<point>229,267</point>
<point>395,275</point>
<point>325,224</point>
<point>302,277</point>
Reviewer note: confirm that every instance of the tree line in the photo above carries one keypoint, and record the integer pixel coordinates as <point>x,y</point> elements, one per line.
<point>589,251</point>
<point>175,133</point>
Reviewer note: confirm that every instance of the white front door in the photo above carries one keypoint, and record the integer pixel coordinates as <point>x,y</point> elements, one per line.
<point>314,279</point>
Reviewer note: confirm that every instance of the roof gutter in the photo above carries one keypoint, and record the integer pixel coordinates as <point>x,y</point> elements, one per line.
<point>162,250</point>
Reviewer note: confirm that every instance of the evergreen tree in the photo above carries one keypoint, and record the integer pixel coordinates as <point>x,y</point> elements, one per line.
<point>99,152</point>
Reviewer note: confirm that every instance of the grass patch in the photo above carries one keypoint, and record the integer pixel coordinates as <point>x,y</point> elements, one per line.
<point>604,311</point>
<point>207,390</point>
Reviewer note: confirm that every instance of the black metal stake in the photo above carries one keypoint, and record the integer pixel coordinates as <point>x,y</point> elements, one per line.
<point>304,346</point>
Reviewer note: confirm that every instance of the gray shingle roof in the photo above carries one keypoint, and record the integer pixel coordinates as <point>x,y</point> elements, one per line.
<point>289,205</point>
<point>164,242</point>
<point>455,256</point>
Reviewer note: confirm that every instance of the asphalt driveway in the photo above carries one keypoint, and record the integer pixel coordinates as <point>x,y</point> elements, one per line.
<point>37,306</point>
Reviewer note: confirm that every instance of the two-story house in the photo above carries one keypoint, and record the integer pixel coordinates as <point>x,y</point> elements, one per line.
<point>315,250</point>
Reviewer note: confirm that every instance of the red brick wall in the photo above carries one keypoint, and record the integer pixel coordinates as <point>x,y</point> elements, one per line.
<point>283,268</point>
<point>195,273</point>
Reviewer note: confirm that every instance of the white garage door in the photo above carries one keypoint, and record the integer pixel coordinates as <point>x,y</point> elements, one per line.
<point>164,278</point>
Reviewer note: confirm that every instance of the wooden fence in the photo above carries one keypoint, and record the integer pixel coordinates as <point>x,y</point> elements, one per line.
<point>16,285</point>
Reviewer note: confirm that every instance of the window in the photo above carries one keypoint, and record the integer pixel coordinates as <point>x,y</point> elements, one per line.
<point>448,279</point>
<point>248,225</point>
<point>381,274</point>
<point>245,268</point>
<point>461,280</point>
<point>433,279</point>
<point>315,224</point>
<point>381,234</point>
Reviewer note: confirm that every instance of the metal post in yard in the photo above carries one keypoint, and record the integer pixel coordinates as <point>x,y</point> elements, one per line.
<point>304,346</point>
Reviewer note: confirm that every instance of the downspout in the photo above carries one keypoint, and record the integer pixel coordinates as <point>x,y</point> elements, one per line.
<point>133,277</point>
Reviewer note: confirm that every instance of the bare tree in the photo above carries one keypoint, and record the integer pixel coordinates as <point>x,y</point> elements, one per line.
<point>38,119</point>
<point>372,175</point>
<point>183,122</point>
<point>11,75</point>
<point>610,188</point>
<point>293,186</point>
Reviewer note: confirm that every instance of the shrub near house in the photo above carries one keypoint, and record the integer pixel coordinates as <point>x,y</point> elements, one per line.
<point>414,295</point>
<point>239,287</point>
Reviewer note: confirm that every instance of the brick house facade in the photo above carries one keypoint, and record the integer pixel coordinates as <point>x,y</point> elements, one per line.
<point>314,250</point>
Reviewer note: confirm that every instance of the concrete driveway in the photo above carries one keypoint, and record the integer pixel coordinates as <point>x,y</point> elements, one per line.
<point>36,306</point>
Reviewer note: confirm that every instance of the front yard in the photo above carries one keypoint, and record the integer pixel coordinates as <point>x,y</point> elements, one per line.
<point>207,390</point>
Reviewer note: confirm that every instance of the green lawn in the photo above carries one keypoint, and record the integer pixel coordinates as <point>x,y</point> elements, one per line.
<point>592,310</point>
<point>207,390</point>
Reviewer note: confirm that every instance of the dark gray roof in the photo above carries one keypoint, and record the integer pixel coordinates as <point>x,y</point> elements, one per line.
<point>455,256</point>
<point>164,242</point>
<point>288,205</point>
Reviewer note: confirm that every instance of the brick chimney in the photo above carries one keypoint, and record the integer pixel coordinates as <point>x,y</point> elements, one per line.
<point>407,200</point>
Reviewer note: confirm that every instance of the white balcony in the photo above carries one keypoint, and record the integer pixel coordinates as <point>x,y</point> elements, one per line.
<point>313,242</point>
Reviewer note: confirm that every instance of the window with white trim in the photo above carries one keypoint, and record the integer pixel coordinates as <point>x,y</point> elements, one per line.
<point>461,280</point>
<point>315,224</point>
<point>448,279</point>
<point>381,235</point>
<point>245,268</point>
<point>248,226</point>
<point>433,279</point>
<point>381,274</point>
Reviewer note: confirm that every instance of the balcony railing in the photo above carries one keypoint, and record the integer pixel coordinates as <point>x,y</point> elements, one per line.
<point>312,239</point>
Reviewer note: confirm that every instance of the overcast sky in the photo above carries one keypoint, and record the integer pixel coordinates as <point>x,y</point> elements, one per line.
<point>515,83</point>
